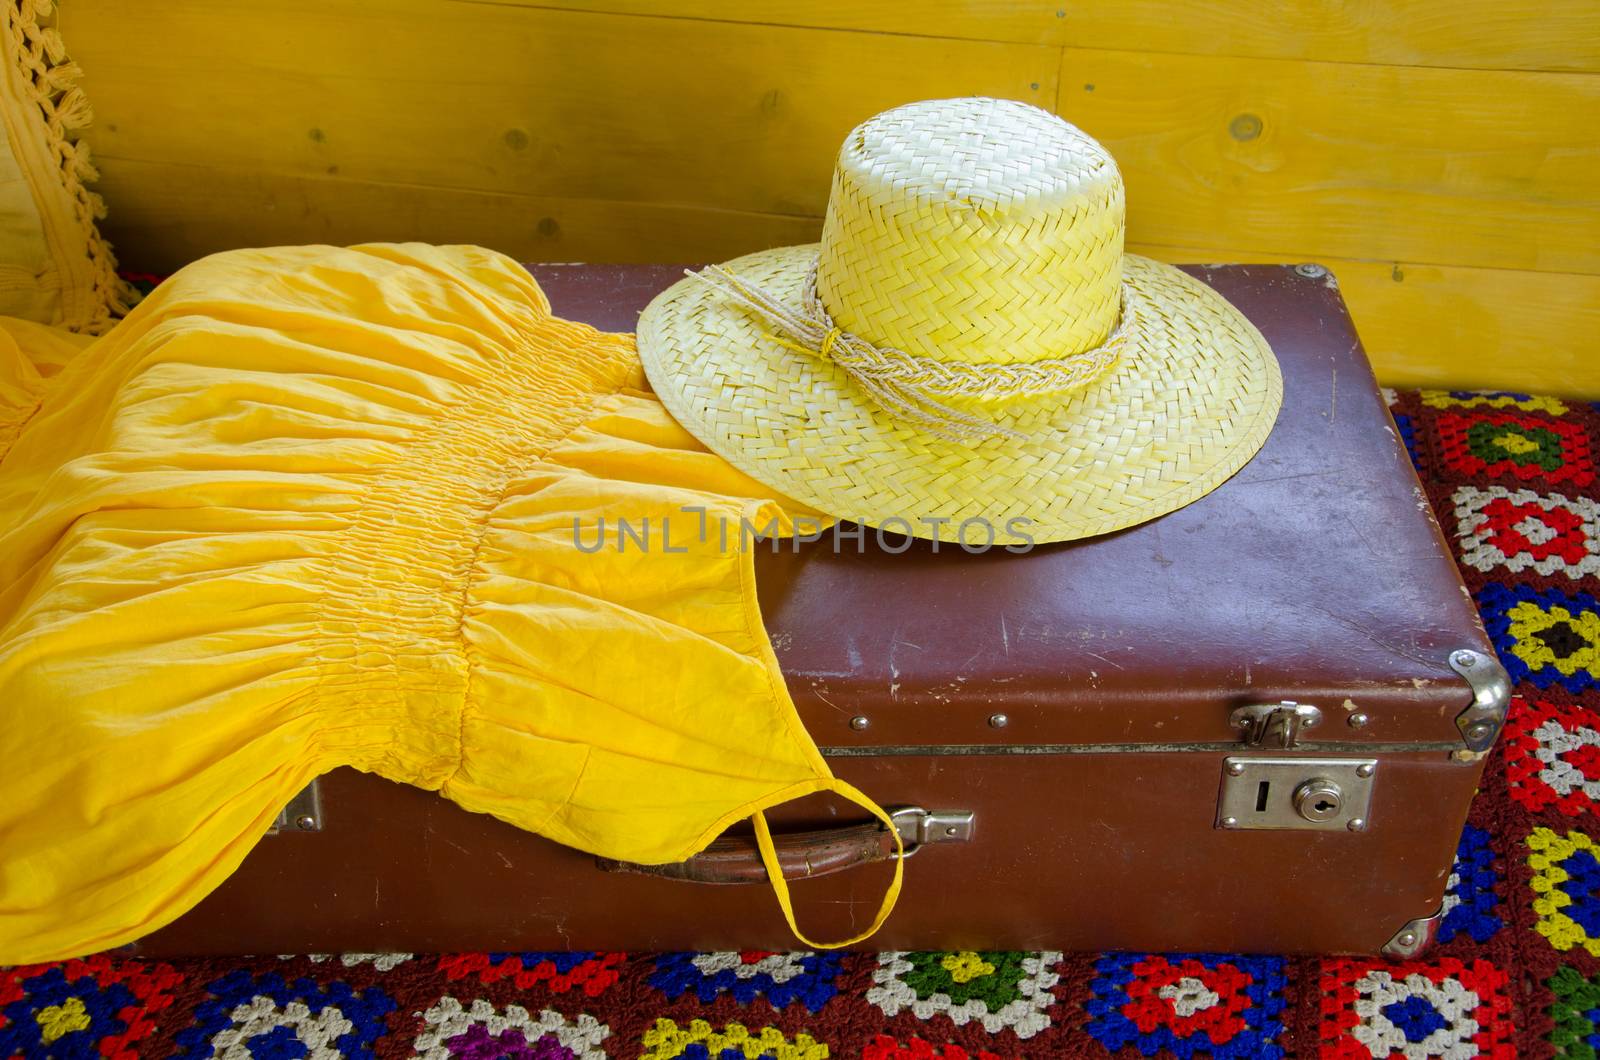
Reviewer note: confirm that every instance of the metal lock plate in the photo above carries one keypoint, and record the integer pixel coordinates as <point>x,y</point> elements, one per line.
<point>1316,794</point>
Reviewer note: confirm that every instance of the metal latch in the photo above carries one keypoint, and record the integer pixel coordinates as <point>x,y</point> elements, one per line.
<point>1274,724</point>
<point>918,826</point>
<point>1317,794</point>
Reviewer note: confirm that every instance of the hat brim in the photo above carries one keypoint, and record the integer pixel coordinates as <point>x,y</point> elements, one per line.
<point>1192,398</point>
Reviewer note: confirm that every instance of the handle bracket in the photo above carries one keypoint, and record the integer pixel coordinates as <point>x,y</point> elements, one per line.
<point>918,827</point>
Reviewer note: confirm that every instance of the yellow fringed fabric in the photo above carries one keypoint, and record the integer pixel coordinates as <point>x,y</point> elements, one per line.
<point>311,507</point>
<point>54,265</point>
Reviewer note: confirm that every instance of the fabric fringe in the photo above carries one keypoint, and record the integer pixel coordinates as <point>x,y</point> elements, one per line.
<point>37,49</point>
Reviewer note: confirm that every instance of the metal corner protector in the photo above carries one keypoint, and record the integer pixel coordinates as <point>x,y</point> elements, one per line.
<point>1485,716</point>
<point>1414,936</point>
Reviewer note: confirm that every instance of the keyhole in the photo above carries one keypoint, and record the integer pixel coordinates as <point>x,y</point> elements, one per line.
<point>1261,796</point>
<point>1318,799</point>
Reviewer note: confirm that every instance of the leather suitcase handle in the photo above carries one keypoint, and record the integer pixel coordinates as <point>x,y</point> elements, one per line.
<point>804,855</point>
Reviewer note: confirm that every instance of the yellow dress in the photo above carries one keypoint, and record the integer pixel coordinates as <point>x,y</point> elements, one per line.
<point>312,507</point>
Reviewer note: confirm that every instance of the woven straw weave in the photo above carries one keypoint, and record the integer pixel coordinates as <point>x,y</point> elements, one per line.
<point>977,231</point>
<point>973,234</point>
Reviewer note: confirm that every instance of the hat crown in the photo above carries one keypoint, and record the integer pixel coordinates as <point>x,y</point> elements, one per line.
<point>975,230</point>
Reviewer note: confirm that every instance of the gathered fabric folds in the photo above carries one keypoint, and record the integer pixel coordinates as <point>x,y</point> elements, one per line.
<point>312,507</point>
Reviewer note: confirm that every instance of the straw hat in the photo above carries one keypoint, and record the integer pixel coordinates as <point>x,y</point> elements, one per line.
<point>967,344</point>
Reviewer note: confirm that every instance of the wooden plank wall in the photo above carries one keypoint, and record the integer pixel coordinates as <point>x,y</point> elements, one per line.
<point>1443,157</point>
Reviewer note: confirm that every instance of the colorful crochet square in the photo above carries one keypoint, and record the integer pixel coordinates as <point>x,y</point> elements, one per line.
<point>1003,991</point>
<point>1546,533</point>
<point>1544,638</point>
<point>1492,399</point>
<point>1552,756</point>
<point>591,972</point>
<point>87,1008</point>
<point>1521,447</point>
<point>884,1047</point>
<point>1566,887</point>
<point>1575,1014</point>
<point>783,978</point>
<point>700,1041</point>
<point>1470,903</point>
<point>484,1032</point>
<point>1446,1008</point>
<point>1221,1006</point>
<point>248,1015</point>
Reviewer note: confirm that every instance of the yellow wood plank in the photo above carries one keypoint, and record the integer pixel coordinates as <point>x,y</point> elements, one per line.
<point>163,216</point>
<point>564,135</point>
<point>1023,21</point>
<point>1484,34</point>
<point>1491,169</point>
<point>510,99</point>
<point>1423,325</point>
<point>1449,327</point>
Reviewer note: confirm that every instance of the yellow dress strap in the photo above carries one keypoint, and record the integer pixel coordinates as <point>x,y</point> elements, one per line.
<point>780,886</point>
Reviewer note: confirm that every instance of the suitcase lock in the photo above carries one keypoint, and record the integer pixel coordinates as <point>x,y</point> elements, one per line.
<point>1308,794</point>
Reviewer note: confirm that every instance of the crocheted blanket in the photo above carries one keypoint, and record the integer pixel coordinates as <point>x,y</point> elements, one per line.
<point>1512,479</point>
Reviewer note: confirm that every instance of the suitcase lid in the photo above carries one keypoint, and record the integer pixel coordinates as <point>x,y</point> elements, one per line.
<point>1317,574</point>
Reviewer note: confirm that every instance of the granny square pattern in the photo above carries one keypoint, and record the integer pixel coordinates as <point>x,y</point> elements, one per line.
<point>1520,530</point>
<point>1408,437</point>
<point>783,978</point>
<point>884,1047</point>
<point>1189,1003</point>
<point>1517,447</point>
<point>667,1041</point>
<point>1575,1013</point>
<point>1446,1008</point>
<point>88,1008</point>
<point>1566,885</point>
<point>480,1031</point>
<point>1515,971</point>
<point>1471,904</point>
<point>1491,399</point>
<point>1002,991</point>
<point>1544,637</point>
<point>1552,756</point>
<point>250,1015</point>
<point>587,972</point>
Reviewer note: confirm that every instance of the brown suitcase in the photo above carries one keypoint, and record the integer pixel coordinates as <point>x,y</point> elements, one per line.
<point>1253,724</point>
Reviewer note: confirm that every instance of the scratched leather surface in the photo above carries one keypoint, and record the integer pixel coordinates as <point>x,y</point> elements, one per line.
<point>1316,573</point>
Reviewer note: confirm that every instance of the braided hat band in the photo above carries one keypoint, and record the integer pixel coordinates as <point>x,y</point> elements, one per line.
<point>968,341</point>
<point>905,385</point>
